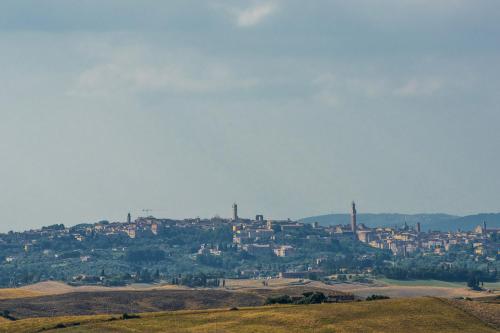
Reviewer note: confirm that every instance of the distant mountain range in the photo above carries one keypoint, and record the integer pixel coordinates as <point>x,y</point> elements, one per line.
<point>441,222</point>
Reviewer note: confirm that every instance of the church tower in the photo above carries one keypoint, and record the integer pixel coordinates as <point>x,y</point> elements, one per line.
<point>353,219</point>
<point>235,212</point>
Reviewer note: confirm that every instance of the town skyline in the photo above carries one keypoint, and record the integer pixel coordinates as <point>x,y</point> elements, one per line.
<point>234,211</point>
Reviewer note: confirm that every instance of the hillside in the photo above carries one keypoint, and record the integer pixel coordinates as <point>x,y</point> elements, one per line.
<point>443,222</point>
<point>404,315</point>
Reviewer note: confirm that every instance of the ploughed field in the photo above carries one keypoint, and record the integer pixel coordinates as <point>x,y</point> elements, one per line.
<point>129,301</point>
<point>393,315</point>
<point>87,303</point>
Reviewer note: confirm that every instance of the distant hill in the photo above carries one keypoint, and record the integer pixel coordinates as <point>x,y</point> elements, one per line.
<point>470,221</point>
<point>443,222</point>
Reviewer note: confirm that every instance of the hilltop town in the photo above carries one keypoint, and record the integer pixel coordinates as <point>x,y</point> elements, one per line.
<point>205,251</point>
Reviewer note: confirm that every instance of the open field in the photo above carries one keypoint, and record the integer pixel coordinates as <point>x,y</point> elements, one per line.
<point>55,287</point>
<point>422,283</point>
<point>46,288</point>
<point>395,315</point>
<point>408,291</point>
<point>392,288</point>
<point>434,283</point>
<point>257,283</point>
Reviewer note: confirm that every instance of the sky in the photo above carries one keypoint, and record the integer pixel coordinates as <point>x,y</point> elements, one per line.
<point>289,108</point>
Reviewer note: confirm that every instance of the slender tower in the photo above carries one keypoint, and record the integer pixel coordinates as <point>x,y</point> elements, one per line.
<point>353,220</point>
<point>129,218</point>
<point>235,212</point>
<point>418,227</point>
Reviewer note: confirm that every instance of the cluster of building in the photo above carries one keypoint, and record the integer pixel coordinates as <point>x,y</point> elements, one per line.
<point>405,241</point>
<point>259,236</point>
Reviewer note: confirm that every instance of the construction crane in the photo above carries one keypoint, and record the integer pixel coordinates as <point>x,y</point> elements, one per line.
<point>147,211</point>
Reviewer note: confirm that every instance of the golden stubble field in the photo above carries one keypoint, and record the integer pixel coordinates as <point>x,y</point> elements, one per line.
<point>412,315</point>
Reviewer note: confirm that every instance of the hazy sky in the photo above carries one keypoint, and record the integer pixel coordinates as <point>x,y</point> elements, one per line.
<point>290,108</point>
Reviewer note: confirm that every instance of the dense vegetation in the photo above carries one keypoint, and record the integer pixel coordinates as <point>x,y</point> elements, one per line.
<point>376,297</point>
<point>306,298</point>
<point>452,267</point>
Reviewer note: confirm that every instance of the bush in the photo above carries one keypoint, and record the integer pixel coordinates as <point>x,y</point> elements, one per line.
<point>6,314</point>
<point>312,298</point>
<point>283,299</point>
<point>376,297</point>
<point>129,316</point>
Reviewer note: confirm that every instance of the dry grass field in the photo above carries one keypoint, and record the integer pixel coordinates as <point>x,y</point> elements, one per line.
<point>56,287</point>
<point>12,293</point>
<point>488,309</point>
<point>409,291</point>
<point>416,315</point>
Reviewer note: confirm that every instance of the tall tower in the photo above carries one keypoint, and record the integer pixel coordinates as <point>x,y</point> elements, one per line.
<point>129,218</point>
<point>418,227</point>
<point>484,227</point>
<point>235,212</point>
<point>353,219</point>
